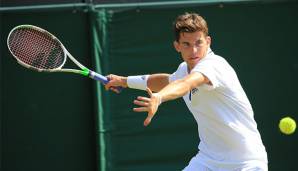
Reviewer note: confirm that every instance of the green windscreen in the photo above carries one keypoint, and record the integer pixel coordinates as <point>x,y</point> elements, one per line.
<point>258,40</point>
<point>47,120</point>
<point>68,122</point>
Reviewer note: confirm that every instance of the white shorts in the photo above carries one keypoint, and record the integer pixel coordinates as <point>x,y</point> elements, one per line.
<point>196,165</point>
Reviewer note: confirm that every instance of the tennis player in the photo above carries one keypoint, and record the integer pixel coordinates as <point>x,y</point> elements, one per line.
<point>229,138</point>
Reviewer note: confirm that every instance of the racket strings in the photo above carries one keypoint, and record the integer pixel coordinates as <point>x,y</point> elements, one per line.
<point>36,48</point>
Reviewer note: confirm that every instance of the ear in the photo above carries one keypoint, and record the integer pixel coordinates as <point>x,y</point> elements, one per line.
<point>176,45</point>
<point>208,38</point>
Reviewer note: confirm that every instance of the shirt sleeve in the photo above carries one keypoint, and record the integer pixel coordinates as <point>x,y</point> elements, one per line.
<point>208,69</point>
<point>178,74</point>
<point>172,77</point>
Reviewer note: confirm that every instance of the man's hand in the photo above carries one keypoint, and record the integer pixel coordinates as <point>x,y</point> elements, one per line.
<point>116,81</point>
<point>149,105</point>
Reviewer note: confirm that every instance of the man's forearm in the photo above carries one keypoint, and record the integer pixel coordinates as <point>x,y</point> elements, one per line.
<point>174,90</point>
<point>156,82</point>
<point>181,87</point>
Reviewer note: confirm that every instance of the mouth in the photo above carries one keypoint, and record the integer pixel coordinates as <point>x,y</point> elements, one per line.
<point>194,58</point>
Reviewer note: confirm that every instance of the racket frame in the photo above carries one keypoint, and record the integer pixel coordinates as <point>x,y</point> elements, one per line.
<point>84,70</point>
<point>65,53</point>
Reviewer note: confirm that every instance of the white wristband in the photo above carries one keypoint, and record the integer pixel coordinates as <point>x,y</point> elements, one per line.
<point>137,82</point>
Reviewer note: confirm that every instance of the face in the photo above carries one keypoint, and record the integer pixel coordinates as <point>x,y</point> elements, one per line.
<point>192,47</point>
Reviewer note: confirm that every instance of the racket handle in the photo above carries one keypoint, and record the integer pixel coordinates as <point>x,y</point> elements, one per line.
<point>104,80</point>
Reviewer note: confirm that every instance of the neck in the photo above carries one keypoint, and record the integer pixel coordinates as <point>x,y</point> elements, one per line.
<point>189,68</point>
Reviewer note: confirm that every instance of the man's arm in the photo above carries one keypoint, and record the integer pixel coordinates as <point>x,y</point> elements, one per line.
<point>155,82</point>
<point>181,87</point>
<point>172,91</point>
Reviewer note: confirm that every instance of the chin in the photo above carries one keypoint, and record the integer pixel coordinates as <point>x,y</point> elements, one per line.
<point>194,61</point>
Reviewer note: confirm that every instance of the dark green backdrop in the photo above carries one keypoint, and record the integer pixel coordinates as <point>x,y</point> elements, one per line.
<point>47,120</point>
<point>67,122</point>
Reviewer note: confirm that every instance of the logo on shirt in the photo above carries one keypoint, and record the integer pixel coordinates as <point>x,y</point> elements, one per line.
<point>193,92</point>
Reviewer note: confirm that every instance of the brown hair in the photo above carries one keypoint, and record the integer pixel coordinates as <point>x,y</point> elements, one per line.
<point>189,23</point>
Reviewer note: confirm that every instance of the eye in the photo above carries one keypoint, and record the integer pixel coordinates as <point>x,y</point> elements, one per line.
<point>185,44</point>
<point>199,43</point>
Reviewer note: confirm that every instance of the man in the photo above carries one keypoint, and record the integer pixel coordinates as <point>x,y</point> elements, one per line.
<point>229,139</point>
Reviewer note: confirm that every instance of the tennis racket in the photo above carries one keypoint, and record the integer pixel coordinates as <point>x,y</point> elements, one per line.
<point>37,49</point>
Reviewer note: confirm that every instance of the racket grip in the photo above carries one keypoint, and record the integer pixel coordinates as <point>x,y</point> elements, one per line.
<point>104,80</point>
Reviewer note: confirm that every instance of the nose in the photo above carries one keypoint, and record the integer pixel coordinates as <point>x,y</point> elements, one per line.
<point>194,49</point>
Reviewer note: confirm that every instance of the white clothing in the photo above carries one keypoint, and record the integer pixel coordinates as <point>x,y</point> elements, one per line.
<point>228,132</point>
<point>196,165</point>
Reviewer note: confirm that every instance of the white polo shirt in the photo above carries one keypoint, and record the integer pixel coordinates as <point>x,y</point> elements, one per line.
<point>227,129</point>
